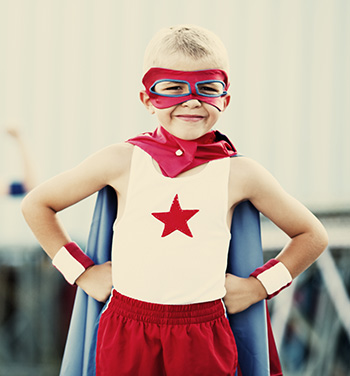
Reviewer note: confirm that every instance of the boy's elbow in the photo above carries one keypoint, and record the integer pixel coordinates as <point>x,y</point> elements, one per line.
<point>322,239</point>
<point>325,239</point>
<point>25,206</point>
<point>28,206</point>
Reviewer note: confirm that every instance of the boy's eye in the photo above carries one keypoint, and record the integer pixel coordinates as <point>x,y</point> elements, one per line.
<point>174,88</point>
<point>211,88</point>
<point>171,88</point>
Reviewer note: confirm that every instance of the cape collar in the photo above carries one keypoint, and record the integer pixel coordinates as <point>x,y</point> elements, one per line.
<point>175,155</point>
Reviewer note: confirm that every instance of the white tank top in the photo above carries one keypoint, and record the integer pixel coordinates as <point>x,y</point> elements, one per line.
<point>170,246</point>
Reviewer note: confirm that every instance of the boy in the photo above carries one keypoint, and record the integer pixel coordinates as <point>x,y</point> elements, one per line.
<point>177,189</point>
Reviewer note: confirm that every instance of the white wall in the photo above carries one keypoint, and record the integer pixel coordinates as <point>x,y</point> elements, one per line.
<point>71,71</point>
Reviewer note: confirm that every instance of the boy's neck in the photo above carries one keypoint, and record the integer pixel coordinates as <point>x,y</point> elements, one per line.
<point>205,138</point>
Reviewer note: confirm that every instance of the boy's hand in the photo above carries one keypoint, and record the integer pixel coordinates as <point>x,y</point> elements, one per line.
<point>96,281</point>
<point>241,293</point>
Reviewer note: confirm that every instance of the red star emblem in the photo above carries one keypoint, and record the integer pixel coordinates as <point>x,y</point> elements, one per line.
<point>176,219</point>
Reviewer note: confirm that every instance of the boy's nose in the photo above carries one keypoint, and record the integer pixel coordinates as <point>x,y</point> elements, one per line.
<point>192,103</point>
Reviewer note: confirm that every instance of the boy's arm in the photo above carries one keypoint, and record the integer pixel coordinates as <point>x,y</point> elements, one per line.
<point>308,237</point>
<point>41,205</point>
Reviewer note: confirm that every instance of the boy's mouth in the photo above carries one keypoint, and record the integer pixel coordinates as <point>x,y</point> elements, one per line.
<point>190,118</point>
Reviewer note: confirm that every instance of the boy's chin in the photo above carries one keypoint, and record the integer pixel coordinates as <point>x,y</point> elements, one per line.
<point>187,132</point>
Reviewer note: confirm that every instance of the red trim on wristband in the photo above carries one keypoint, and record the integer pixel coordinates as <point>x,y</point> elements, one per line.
<point>264,267</point>
<point>71,261</point>
<point>274,276</point>
<point>79,255</point>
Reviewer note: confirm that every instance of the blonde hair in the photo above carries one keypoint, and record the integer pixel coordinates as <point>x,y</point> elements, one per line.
<point>188,41</point>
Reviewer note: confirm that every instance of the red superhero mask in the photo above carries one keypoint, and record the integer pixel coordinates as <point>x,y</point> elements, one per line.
<point>167,87</point>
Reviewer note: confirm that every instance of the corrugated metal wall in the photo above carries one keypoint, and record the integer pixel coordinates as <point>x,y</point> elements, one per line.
<point>70,72</point>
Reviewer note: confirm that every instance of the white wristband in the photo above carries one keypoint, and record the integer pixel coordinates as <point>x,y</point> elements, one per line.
<point>274,276</point>
<point>71,261</point>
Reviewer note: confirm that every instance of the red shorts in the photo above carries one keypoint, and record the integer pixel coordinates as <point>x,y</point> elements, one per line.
<point>146,339</point>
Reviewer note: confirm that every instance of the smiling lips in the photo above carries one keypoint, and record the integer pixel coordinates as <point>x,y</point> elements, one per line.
<point>188,117</point>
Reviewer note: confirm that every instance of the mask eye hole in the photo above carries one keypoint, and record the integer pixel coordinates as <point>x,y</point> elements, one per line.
<point>170,88</point>
<point>211,88</point>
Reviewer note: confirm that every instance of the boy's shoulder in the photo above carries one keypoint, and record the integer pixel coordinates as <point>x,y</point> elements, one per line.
<point>241,164</point>
<point>118,152</point>
<point>121,148</point>
<point>111,164</point>
<point>247,174</point>
<point>112,160</point>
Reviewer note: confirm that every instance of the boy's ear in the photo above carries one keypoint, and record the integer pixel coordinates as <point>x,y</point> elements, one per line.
<point>227,100</point>
<point>145,99</point>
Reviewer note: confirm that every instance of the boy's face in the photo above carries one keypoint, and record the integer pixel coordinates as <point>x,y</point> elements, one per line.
<point>194,117</point>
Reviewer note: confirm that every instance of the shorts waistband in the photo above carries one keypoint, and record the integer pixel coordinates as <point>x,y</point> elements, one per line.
<point>165,313</point>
